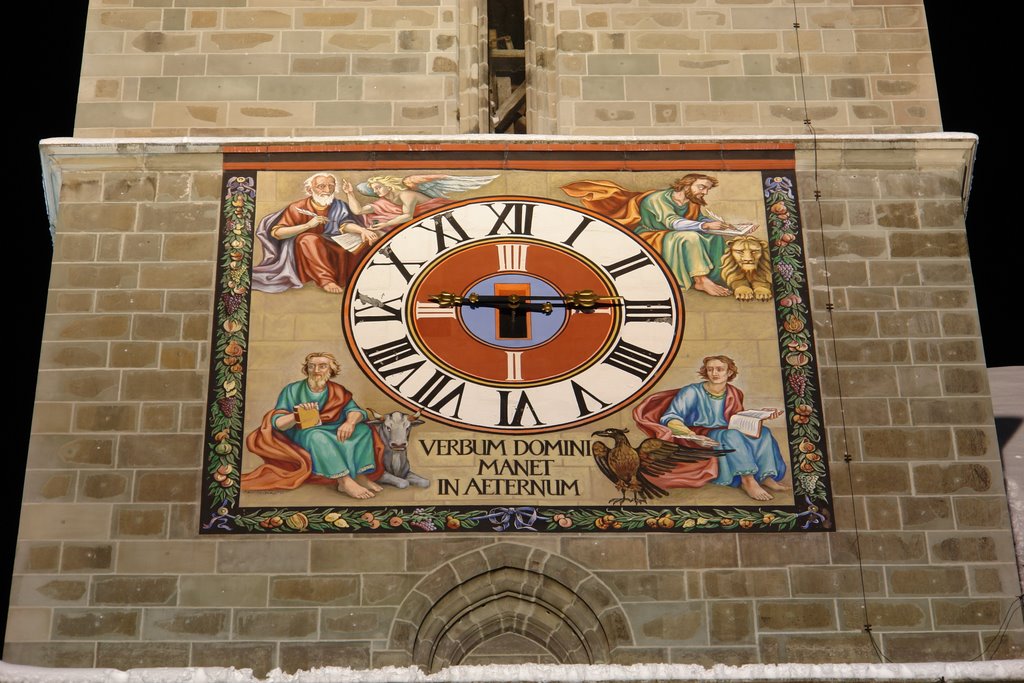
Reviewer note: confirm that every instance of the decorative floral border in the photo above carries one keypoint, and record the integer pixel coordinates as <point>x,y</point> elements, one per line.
<point>223,444</point>
<point>796,344</point>
<point>221,512</point>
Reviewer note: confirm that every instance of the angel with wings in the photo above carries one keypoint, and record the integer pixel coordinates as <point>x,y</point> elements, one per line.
<point>397,200</point>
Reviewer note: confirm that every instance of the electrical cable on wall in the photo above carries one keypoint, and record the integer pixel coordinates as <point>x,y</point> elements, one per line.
<point>1018,603</point>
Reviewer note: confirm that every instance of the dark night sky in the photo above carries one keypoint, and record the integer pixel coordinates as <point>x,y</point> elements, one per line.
<point>46,88</point>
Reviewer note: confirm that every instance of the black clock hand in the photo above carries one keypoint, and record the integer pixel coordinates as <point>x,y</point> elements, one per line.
<point>511,303</point>
<point>584,298</point>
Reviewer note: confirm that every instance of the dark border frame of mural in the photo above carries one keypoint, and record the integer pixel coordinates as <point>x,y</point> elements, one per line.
<point>221,512</point>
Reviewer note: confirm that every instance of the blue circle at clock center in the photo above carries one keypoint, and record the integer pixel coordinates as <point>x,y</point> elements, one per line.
<point>495,325</point>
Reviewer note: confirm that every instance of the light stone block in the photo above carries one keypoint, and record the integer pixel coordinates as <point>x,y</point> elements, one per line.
<point>742,41</point>
<point>256,19</point>
<point>671,88</point>
<point>255,41</point>
<point>388,64</point>
<point>700,64</point>
<point>161,42</point>
<point>105,114</point>
<point>402,18</point>
<point>265,114</point>
<point>124,20</point>
<point>215,88</point>
<point>845,17</point>
<point>249,64</point>
<point>713,113</point>
<point>28,624</point>
<point>668,41</point>
<point>747,88</point>
<point>201,114</point>
<point>911,63</point>
<point>622,65</point>
<point>293,88</point>
<point>667,623</point>
<point>276,624</point>
<point>612,114</point>
<point>657,18</point>
<point>111,65</point>
<point>103,44</point>
<point>421,114</point>
<point>362,41</point>
<point>402,88</point>
<point>891,40</point>
<point>161,557</point>
<point>352,114</point>
<point>64,521</point>
<point>186,624</point>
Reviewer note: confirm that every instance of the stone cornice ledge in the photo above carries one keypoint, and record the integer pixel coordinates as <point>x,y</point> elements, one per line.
<point>961,147</point>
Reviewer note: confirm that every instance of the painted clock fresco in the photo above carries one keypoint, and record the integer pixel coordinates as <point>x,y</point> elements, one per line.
<point>458,338</point>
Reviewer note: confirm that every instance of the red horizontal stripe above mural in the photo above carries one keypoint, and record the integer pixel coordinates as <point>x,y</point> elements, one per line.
<point>525,164</point>
<point>500,147</point>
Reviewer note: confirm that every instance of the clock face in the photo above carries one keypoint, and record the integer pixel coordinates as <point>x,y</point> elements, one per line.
<point>508,363</point>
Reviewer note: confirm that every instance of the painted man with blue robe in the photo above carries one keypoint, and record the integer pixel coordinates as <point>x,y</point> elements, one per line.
<point>700,413</point>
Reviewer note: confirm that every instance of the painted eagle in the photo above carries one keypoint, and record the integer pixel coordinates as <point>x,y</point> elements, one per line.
<point>629,468</point>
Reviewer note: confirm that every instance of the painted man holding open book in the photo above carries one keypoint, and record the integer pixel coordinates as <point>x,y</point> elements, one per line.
<point>676,222</point>
<point>711,413</point>
<point>317,239</point>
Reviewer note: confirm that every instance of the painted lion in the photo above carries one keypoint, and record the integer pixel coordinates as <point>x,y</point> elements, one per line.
<point>746,268</point>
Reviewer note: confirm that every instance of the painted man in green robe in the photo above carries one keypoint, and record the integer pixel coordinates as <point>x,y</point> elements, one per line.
<point>316,433</point>
<point>675,222</point>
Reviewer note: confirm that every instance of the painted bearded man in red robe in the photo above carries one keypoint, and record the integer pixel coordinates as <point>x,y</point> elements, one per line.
<point>301,241</point>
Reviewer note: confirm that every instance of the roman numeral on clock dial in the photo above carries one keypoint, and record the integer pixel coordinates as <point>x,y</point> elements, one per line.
<point>512,256</point>
<point>515,366</point>
<point>511,411</point>
<point>514,217</point>
<point>628,265</point>
<point>648,311</point>
<point>633,359</point>
<point>428,309</point>
<point>376,310</point>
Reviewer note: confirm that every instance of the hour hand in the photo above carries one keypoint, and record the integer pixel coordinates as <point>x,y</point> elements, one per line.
<point>586,298</point>
<point>582,299</point>
<point>446,299</point>
<point>451,300</point>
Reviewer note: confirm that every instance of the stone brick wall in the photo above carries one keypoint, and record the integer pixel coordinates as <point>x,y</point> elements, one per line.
<point>110,570</point>
<point>246,67</point>
<point>723,67</point>
<point>595,67</point>
<point>925,481</point>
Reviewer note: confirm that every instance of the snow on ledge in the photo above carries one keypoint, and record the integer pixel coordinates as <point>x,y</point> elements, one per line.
<point>1002,670</point>
<point>214,141</point>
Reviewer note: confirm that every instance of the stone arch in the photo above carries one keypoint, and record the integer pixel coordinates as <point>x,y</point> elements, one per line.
<point>509,588</point>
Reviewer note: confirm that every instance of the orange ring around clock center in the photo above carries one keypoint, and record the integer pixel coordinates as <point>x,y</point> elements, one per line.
<point>581,341</point>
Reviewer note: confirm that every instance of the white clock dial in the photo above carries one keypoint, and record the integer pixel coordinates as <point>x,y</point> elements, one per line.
<point>505,368</point>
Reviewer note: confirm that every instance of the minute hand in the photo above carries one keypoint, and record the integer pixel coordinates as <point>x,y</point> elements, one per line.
<point>580,299</point>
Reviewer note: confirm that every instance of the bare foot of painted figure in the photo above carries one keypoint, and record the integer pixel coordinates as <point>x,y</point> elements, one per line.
<point>773,485</point>
<point>332,288</point>
<point>366,483</point>
<point>349,487</point>
<point>753,489</point>
<point>706,285</point>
